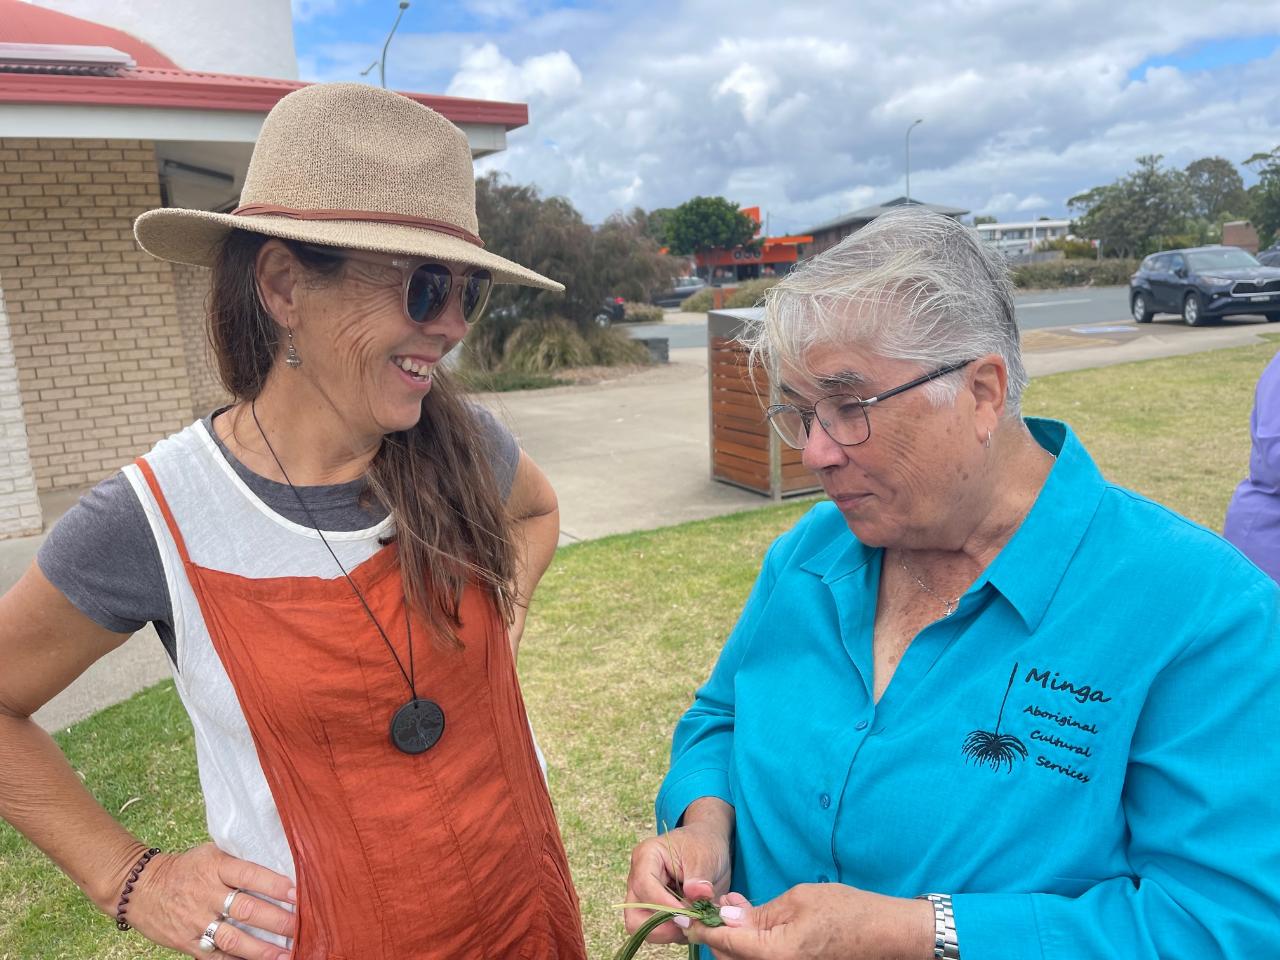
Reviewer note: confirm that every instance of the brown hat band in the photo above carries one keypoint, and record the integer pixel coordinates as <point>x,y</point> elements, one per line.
<point>370,216</point>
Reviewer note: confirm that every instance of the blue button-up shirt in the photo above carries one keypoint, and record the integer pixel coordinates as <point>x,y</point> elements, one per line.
<point>1083,754</point>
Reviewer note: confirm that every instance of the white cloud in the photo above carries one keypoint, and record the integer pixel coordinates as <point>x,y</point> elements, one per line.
<point>802,108</point>
<point>495,9</point>
<point>304,10</point>
<point>751,87</point>
<point>486,74</point>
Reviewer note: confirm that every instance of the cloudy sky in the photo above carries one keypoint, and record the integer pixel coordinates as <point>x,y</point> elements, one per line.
<point>802,107</point>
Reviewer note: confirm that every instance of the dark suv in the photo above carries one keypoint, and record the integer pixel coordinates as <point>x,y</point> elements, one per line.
<point>1203,283</point>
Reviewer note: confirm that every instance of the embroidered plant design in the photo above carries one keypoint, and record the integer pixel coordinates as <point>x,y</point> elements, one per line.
<point>991,748</point>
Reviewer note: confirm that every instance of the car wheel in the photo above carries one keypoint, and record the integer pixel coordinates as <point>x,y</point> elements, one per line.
<point>1140,306</point>
<point>1193,310</point>
<point>602,319</point>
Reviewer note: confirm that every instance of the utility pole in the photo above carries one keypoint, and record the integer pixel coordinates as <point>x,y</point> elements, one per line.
<point>381,63</point>
<point>909,129</point>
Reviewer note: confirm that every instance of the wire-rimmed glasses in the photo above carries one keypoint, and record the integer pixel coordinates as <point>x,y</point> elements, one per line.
<point>842,416</point>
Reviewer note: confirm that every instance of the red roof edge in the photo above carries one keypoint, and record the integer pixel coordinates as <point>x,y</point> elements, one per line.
<point>185,89</point>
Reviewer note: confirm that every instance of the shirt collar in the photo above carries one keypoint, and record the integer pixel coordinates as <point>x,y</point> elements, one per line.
<point>1029,568</point>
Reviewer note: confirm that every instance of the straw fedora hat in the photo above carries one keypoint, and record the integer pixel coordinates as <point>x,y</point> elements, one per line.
<point>354,166</point>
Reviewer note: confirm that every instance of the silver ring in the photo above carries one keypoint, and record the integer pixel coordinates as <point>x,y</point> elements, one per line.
<point>226,904</point>
<point>207,943</point>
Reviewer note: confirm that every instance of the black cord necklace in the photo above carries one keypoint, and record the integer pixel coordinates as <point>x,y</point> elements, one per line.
<point>419,724</point>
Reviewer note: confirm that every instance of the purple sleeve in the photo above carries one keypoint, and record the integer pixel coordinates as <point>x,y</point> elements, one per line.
<point>1264,457</point>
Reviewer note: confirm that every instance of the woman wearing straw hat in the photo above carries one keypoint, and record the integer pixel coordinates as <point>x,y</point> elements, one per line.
<point>338,562</point>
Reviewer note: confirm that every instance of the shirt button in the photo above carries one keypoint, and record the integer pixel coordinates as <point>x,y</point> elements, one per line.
<point>825,801</point>
<point>860,725</point>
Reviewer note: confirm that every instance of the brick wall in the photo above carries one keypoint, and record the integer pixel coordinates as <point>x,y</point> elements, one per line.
<point>99,350</point>
<point>19,504</point>
<point>191,291</point>
<point>1240,233</point>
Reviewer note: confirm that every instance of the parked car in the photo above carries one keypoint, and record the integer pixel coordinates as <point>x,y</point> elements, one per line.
<point>1270,257</point>
<point>1203,283</point>
<point>612,310</point>
<point>681,290</point>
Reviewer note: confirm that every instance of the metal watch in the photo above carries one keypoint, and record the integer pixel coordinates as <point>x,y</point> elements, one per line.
<point>945,944</point>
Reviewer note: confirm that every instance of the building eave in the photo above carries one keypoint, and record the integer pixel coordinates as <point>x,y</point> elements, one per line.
<point>187,90</point>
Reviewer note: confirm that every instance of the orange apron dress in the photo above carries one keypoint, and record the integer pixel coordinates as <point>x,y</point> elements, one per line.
<point>452,853</point>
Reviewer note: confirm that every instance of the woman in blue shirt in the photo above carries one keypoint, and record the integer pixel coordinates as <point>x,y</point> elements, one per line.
<point>979,672</point>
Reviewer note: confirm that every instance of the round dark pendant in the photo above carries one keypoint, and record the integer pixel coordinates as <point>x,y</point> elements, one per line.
<point>417,726</point>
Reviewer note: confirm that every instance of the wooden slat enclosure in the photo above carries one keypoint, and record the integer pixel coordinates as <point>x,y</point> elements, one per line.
<point>744,449</point>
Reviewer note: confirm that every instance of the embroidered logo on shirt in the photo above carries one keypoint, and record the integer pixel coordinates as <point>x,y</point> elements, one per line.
<point>991,748</point>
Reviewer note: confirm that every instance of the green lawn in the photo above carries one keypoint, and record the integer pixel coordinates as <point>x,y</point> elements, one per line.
<point>624,629</point>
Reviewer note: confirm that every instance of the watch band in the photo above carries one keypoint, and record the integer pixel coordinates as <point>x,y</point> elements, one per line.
<point>946,946</point>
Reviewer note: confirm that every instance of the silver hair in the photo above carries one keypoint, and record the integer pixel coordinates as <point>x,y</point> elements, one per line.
<point>911,285</point>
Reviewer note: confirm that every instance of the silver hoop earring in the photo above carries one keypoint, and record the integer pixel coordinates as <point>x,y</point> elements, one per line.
<point>292,359</point>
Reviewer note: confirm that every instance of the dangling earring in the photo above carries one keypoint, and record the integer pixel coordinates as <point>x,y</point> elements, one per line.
<point>987,444</point>
<point>292,359</point>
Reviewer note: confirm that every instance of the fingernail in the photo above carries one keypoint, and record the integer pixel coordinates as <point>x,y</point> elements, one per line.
<point>731,913</point>
<point>695,880</point>
<point>292,894</point>
<point>682,921</point>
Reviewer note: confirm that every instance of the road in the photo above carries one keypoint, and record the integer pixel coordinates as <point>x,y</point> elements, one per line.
<point>1044,308</point>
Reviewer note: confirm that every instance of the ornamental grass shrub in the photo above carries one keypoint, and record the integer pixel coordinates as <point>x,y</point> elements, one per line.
<point>611,347</point>
<point>641,313</point>
<point>700,302</point>
<point>749,293</point>
<point>544,345</point>
<point>549,344</point>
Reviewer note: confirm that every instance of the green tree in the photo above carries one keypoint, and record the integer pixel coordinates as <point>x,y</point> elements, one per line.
<point>550,236</point>
<point>1216,188</point>
<point>1136,214</point>
<point>708,223</point>
<point>1264,196</point>
<point>656,223</point>
<point>983,218</point>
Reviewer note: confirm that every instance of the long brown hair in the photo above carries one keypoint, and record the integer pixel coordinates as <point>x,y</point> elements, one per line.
<point>435,478</point>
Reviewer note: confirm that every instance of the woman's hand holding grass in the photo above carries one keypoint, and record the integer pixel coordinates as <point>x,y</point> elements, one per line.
<point>690,863</point>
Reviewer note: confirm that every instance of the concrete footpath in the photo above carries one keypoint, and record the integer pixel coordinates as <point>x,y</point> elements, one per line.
<point>624,455</point>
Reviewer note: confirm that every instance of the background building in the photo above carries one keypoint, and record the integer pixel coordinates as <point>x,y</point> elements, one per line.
<point>102,348</point>
<point>827,235</point>
<point>1020,239</point>
<point>766,257</point>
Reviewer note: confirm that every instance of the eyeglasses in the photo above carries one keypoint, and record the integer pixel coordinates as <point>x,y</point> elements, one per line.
<point>428,284</point>
<point>843,417</point>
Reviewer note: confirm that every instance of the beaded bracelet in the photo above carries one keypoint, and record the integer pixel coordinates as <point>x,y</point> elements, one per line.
<point>121,923</point>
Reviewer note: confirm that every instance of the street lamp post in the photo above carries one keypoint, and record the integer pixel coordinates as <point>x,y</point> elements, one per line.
<point>382,69</point>
<point>909,129</point>
<point>381,63</point>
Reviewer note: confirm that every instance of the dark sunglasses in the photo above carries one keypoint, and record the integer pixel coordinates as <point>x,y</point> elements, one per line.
<point>428,284</point>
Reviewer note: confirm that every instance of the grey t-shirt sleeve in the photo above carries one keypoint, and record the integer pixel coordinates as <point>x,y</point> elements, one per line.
<point>102,557</point>
<point>504,452</point>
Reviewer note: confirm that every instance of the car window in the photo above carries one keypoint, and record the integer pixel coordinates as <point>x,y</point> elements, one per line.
<point>1175,262</point>
<point>1159,263</point>
<point>1226,258</point>
<point>1149,264</point>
